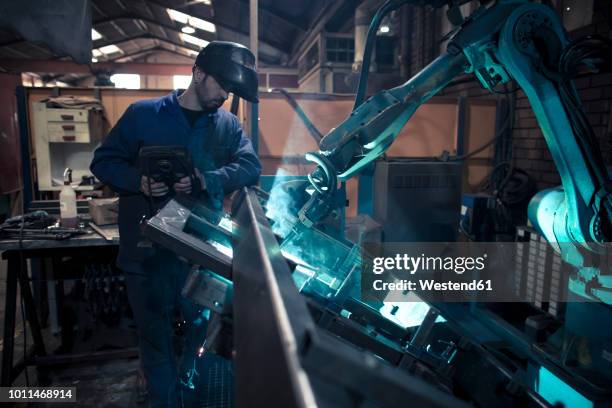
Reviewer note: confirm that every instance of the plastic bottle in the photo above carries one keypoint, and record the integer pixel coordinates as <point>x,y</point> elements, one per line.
<point>67,198</point>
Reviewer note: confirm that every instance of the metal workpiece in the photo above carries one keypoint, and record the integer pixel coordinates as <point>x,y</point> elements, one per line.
<point>271,322</point>
<point>369,378</point>
<point>420,337</point>
<point>209,290</point>
<point>214,294</point>
<point>275,331</point>
<point>305,327</point>
<point>179,229</point>
<point>326,267</point>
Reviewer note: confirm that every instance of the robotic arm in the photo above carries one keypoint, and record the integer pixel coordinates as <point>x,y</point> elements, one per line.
<point>511,39</point>
<point>370,130</point>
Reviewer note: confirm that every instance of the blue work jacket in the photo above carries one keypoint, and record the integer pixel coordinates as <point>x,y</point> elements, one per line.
<point>218,147</point>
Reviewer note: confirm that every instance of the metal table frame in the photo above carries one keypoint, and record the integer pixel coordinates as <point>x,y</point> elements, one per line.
<point>17,273</point>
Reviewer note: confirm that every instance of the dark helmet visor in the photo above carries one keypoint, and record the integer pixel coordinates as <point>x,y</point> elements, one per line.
<point>232,65</point>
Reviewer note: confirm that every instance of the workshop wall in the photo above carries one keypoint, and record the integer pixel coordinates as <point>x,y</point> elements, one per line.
<point>10,153</point>
<point>115,102</point>
<point>530,151</point>
<point>434,128</point>
<point>284,139</point>
<point>424,36</point>
<point>162,81</point>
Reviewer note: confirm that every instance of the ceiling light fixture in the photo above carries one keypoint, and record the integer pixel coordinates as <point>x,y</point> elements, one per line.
<point>95,35</point>
<point>110,49</point>
<point>192,21</point>
<point>188,29</point>
<point>194,40</point>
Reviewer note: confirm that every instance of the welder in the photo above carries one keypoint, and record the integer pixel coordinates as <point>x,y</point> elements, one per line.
<point>224,161</point>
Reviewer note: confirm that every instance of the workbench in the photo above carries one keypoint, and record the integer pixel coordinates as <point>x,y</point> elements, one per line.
<point>50,252</point>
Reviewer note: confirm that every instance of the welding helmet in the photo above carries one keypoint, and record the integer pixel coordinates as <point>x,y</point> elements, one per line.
<point>233,67</point>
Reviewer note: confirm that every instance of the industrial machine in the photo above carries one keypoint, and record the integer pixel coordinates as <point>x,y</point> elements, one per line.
<point>295,282</point>
<point>503,41</point>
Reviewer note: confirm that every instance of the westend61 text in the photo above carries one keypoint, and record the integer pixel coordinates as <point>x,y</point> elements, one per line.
<point>432,285</point>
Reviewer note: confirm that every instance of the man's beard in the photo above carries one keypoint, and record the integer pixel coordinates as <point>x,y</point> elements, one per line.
<point>209,105</point>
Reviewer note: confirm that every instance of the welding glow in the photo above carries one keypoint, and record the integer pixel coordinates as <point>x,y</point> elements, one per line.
<point>558,393</point>
<point>295,259</point>
<point>305,271</point>
<point>225,250</point>
<point>384,29</point>
<point>227,224</point>
<point>278,207</point>
<point>281,203</point>
<point>301,276</point>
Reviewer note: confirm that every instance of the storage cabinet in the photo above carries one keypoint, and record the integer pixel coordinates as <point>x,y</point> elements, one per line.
<point>64,138</point>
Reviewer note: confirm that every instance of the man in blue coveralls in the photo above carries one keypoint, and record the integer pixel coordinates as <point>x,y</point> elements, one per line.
<point>225,161</point>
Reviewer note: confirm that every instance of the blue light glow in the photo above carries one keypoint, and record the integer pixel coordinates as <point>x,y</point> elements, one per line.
<point>555,391</point>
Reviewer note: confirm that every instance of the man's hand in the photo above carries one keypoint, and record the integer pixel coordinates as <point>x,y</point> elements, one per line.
<point>184,184</point>
<point>158,189</point>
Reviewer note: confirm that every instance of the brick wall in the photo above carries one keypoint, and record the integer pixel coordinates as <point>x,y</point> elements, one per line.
<point>530,151</point>
<point>424,36</point>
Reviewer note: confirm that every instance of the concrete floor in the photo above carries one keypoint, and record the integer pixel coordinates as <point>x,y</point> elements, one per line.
<point>107,384</point>
<point>112,383</point>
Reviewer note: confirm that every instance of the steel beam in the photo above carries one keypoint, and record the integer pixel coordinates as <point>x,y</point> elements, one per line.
<point>69,67</point>
<point>271,321</point>
<point>238,30</point>
<point>205,35</point>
